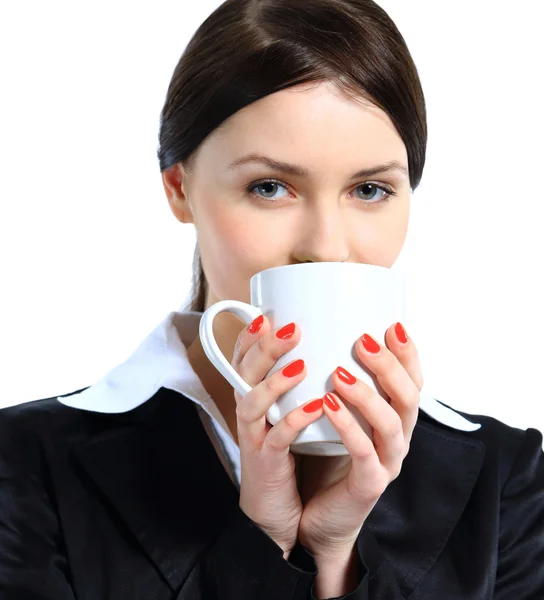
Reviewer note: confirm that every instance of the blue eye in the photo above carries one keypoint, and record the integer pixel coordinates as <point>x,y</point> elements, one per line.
<point>264,184</point>
<point>388,192</point>
<point>274,183</point>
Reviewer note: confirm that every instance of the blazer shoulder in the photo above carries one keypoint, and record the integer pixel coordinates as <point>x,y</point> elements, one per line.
<point>31,411</point>
<point>504,443</point>
<point>31,422</point>
<point>53,423</point>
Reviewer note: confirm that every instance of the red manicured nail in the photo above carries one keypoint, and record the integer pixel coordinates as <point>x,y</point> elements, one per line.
<point>401,333</point>
<point>370,343</point>
<point>313,405</point>
<point>256,324</point>
<point>294,368</point>
<point>331,402</point>
<point>345,376</point>
<point>286,332</point>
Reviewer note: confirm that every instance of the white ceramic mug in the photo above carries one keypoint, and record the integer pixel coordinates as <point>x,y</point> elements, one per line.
<point>334,304</point>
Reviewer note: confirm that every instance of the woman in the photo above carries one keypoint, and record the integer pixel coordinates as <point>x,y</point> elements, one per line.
<point>158,481</point>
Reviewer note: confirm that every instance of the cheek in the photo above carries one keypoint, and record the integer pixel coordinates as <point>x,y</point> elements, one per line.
<point>232,251</point>
<point>234,235</point>
<point>380,241</point>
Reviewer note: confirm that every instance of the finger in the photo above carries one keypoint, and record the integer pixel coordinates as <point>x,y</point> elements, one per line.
<point>406,352</point>
<point>366,467</point>
<point>284,432</point>
<point>248,335</point>
<point>388,435</point>
<point>252,408</point>
<point>257,355</point>
<point>393,379</point>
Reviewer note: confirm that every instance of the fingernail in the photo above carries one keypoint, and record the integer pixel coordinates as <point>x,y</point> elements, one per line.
<point>345,376</point>
<point>370,343</point>
<point>331,402</point>
<point>286,332</point>
<point>401,333</point>
<point>256,324</point>
<point>294,368</point>
<point>313,405</point>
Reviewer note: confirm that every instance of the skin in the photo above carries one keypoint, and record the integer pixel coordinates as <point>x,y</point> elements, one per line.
<point>325,216</point>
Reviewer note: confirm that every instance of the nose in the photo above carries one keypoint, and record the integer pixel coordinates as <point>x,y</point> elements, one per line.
<point>323,235</point>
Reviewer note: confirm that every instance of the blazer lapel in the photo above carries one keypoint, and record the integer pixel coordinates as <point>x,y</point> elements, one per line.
<point>161,474</point>
<point>416,514</point>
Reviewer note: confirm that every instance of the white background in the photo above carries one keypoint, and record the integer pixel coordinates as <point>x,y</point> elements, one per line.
<point>93,259</point>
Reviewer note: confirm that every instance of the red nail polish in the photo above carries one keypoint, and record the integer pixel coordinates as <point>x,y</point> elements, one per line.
<point>286,332</point>
<point>370,343</point>
<point>331,402</point>
<point>401,333</point>
<point>313,405</point>
<point>294,368</point>
<point>256,324</point>
<point>345,376</point>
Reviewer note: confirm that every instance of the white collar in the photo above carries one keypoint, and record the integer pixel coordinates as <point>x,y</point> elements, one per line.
<point>161,361</point>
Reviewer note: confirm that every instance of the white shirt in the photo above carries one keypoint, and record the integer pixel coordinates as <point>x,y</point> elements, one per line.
<point>161,361</point>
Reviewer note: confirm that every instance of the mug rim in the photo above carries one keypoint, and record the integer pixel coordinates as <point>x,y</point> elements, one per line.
<point>348,265</point>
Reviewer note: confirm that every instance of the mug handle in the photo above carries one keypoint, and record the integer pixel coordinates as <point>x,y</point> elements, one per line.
<point>247,313</point>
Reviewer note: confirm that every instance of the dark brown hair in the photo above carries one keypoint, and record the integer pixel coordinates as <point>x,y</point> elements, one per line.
<point>247,49</point>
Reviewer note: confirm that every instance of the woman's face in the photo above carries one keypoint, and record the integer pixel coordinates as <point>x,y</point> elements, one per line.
<point>323,214</point>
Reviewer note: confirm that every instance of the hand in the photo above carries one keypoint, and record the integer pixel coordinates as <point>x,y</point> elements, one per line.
<point>343,490</point>
<point>268,490</point>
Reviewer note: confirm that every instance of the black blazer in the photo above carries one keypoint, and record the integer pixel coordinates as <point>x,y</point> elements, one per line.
<point>137,505</point>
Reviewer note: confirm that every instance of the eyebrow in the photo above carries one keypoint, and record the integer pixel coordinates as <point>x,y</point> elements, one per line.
<point>299,171</point>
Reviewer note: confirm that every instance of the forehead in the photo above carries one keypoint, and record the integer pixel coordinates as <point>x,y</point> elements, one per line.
<point>310,118</point>
<point>303,105</point>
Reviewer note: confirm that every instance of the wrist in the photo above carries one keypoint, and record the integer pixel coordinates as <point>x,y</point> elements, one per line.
<point>335,553</point>
<point>337,573</point>
<point>337,557</point>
